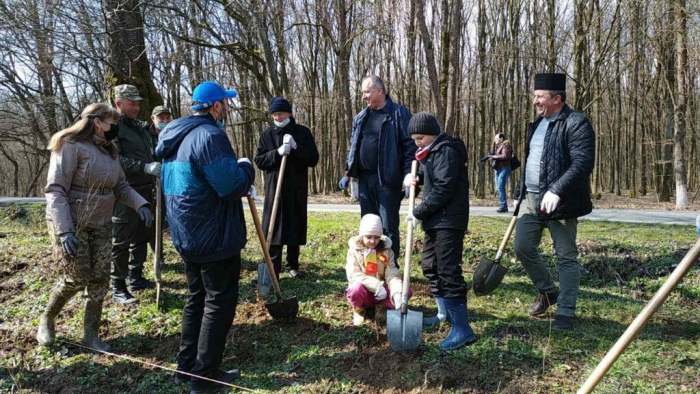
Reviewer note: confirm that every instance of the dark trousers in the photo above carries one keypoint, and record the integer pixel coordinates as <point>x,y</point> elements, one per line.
<point>292,257</point>
<point>130,239</point>
<point>382,201</point>
<point>212,296</point>
<point>441,262</point>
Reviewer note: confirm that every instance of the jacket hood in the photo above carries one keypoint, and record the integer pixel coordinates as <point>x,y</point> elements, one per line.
<point>356,242</point>
<point>170,138</point>
<point>443,140</point>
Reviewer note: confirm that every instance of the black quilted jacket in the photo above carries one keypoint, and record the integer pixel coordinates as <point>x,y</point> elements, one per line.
<point>446,186</point>
<point>566,165</point>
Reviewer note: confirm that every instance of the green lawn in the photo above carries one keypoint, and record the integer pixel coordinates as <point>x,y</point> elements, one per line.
<point>321,352</point>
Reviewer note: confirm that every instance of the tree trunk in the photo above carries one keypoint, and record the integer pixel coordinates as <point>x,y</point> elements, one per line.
<point>127,62</point>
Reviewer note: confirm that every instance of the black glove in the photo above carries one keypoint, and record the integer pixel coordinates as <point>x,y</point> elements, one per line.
<point>146,215</point>
<point>69,242</point>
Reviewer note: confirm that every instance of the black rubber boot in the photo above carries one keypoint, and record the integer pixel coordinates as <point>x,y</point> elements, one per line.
<point>120,294</point>
<point>138,282</point>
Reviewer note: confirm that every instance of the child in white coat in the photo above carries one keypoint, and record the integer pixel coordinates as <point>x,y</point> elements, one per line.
<point>372,275</point>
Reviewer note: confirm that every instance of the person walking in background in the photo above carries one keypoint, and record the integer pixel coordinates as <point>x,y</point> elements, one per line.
<point>500,160</point>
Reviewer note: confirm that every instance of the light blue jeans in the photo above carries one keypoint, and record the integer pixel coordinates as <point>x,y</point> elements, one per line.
<point>501,177</point>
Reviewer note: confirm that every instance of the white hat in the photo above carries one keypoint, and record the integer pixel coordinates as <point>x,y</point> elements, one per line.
<point>371,225</point>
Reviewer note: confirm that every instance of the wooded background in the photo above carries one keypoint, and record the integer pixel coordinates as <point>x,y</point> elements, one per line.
<point>633,68</point>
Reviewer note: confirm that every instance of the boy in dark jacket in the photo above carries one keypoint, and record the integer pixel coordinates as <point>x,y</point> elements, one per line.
<point>444,213</point>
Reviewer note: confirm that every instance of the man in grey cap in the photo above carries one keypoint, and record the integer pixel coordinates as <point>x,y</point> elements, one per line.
<point>130,237</point>
<point>160,117</point>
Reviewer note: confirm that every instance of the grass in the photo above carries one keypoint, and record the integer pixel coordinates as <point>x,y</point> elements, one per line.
<point>623,265</point>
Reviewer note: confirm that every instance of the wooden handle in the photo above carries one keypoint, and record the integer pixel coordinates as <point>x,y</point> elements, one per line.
<point>266,251</point>
<point>652,306</point>
<point>511,226</point>
<point>158,252</point>
<point>409,242</point>
<point>275,204</point>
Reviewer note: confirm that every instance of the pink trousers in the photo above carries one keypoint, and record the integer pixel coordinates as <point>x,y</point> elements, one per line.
<point>358,295</point>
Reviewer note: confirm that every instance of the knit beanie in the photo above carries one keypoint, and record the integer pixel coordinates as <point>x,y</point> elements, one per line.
<point>423,123</point>
<point>371,225</point>
<point>280,104</point>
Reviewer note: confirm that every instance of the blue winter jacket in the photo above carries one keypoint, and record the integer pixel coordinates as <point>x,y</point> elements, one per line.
<point>396,148</point>
<point>203,184</point>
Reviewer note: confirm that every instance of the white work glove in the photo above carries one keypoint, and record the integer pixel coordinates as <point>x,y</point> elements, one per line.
<point>697,224</point>
<point>152,168</point>
<point>515,204</point>
<point>411,220</point>
<point>253,193</point>
<point>284,149</point>
<point>550,201</point>
<point>409,181</point>
<point>289,140</point>
<point>397,301</point>
<point>380,294</point>
<point>244,160</point>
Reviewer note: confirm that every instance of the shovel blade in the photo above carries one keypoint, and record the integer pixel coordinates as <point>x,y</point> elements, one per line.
<point>264,282</point>
<point>283,309</point>
<point>404,330</point>
<point>487,276</point>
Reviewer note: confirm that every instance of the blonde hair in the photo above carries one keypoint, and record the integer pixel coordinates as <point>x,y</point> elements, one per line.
<point>84,128</point>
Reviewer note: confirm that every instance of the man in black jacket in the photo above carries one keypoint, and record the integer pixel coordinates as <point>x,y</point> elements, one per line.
<point>554,190</point>
<point>130,236</point>
<point>380,156</point>
<point>286,137</point>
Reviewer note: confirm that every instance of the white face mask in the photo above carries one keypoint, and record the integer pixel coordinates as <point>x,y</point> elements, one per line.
<point>282,123</point>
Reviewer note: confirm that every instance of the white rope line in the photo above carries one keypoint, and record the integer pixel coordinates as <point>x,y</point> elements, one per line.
<point>135,360</point>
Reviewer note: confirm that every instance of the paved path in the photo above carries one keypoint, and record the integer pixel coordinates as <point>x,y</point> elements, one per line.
<point>609,215</point>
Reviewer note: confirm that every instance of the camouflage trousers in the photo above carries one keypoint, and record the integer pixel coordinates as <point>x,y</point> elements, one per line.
<point>89,269</point>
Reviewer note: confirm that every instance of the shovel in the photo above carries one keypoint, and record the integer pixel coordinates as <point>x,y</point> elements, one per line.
<point>263,269</point>
<point>158,252</point>
<point>281,308</point>
<point>404,327</point>
<point>489,273</point>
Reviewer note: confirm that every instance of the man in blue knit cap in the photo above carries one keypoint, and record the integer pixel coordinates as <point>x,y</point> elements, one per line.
<point>203,183</point>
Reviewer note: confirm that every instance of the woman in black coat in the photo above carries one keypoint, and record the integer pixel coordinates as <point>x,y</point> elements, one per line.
<point>286,137</point>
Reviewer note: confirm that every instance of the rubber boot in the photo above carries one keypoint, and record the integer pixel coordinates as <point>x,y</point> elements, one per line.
<point>91,324</point>
<point>461,333</point>
<point>120,294</point>
<point>46,333</point>
<point>441,315</point>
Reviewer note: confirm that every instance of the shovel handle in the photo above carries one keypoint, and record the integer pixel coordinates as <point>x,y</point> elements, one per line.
<point>511,226</point>
<point>641,320</point>
<point>158,252</point>
<point>266,252</point>
<point>275,204</point>
<point>409,243</point>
